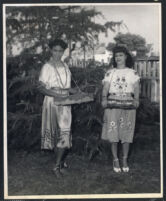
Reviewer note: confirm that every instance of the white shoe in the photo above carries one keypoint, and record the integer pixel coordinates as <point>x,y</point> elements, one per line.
<point>125,169</point>
<point>116,169</point>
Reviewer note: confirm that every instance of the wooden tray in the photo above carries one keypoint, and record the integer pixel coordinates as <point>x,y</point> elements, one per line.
<point>77,98</point>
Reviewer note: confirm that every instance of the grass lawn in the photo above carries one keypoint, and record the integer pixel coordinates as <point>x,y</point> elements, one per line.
<point>29,173</point>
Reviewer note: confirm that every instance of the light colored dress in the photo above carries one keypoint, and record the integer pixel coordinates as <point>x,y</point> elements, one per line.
<point>119,124</point>
<point>56,120</point>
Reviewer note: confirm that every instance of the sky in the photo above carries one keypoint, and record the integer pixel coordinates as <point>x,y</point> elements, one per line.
<point>140,19</point>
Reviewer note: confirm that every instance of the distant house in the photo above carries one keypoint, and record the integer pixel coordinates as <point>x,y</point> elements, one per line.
<point>102,55</point>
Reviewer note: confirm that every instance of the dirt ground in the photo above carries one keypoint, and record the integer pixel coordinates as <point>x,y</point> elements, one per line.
<point>29,172</point>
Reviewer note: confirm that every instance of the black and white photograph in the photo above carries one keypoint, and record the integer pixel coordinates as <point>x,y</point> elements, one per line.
<point>82,93</point>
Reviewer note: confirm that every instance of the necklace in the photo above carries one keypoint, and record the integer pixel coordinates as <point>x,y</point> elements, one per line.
<point>58,74</point>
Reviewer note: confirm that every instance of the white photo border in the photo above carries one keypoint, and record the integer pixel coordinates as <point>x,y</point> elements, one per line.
<point>88,196</point>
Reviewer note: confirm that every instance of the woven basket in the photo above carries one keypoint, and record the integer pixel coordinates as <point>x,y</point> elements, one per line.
<point>77,98</point>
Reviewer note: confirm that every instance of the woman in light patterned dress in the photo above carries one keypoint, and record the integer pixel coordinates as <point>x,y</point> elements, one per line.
<point>55,82</point>
<point>119,124</point>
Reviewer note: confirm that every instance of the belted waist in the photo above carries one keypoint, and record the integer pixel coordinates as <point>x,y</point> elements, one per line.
<point>61,91</point>
<point>121,95</point>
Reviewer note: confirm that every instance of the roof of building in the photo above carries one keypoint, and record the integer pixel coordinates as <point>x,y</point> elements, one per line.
<point>100,50</point>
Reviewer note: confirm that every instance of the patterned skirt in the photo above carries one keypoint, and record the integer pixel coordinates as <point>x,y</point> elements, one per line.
<point>118,125</point>
<point>56,125</point>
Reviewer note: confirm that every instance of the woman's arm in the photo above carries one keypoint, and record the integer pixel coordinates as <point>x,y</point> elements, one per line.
<point>47,92</point>
<point>105,92</point>
<point>136,93</point>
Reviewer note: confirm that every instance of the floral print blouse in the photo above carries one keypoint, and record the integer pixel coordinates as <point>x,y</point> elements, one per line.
<point>121,80</point>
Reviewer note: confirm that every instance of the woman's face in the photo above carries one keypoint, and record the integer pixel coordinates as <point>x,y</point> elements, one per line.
<point>57,52</point>
<point>120,58</point>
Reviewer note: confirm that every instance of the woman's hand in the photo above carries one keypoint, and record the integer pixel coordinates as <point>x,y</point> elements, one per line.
<point>136,103</point>
<point>73,90</point>
<point>104,103</point>
<point>136,94</point>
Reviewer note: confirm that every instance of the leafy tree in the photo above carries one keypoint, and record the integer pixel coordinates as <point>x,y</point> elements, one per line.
<point>133,42</point>
<point>33,26</point>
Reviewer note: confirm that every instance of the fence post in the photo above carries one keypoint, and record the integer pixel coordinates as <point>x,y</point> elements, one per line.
<point>140,68</point>
<point>149,69</point>
<point>143,86</point>
<point>144,69</point>
<point>155,90</point>
<point>149,89</point>
<point>154,69</point>
<point>158,91</point>
<point>157,69</point>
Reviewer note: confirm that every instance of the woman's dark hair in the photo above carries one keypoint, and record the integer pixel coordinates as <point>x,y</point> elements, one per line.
<point>57,42</point>
<point>129,59</point>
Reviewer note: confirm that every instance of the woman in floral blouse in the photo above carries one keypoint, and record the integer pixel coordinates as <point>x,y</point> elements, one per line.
<point>119,124</point>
